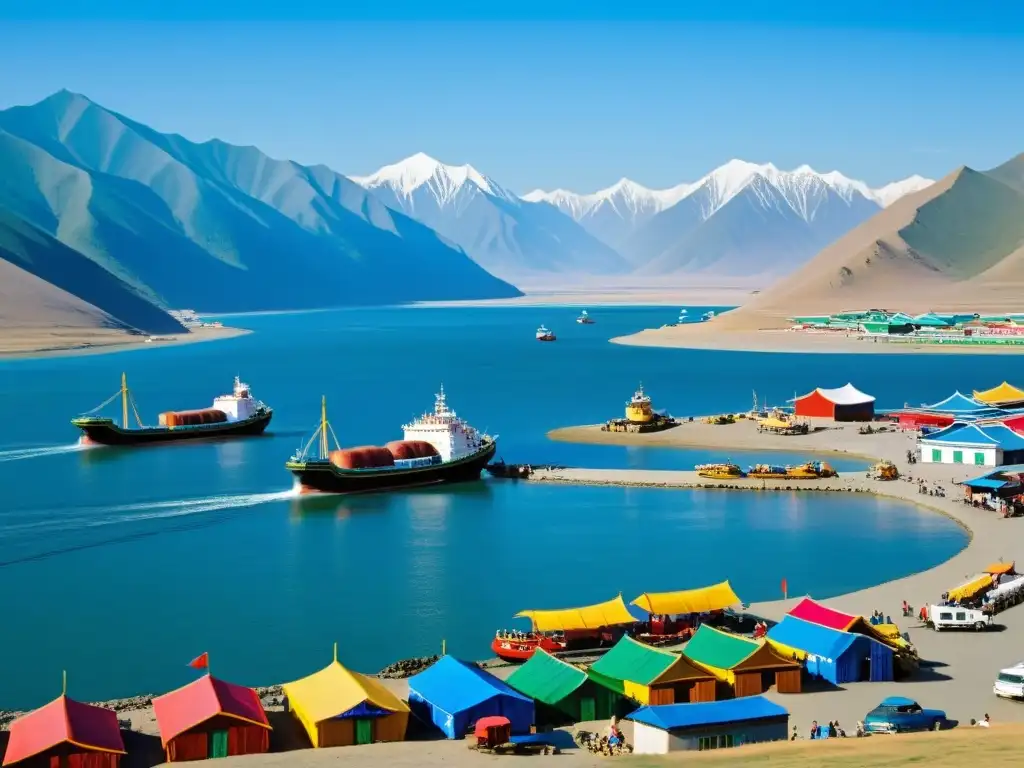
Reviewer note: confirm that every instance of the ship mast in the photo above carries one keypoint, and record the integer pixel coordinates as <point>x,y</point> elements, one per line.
<point>124,400</point>
<point>324,446</point>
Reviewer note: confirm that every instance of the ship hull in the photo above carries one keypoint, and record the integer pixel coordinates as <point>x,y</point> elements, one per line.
<point>106,432</point>
<point>324,477</point>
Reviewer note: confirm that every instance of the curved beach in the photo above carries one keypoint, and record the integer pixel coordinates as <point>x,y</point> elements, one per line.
<point>957,668</point>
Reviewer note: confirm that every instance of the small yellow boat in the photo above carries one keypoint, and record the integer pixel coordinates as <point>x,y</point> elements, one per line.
<point>810,471</point>
<point>725,471</point>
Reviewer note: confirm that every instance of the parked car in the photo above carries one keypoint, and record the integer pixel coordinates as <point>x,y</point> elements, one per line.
<point>897,714</point>
<point>958,617</point>
<point>1010,682</point>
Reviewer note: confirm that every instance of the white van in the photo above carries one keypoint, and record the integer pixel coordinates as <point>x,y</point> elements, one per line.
<point>958,617</point>
<point>1010,683</point>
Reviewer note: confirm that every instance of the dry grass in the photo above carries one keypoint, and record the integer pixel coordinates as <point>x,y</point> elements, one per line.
<point>993,748</point>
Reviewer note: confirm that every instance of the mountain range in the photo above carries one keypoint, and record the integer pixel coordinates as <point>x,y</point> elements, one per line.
<point>507,235</point>
<point>957,245</point>
<point>158,221</point>
<point>740,220</point>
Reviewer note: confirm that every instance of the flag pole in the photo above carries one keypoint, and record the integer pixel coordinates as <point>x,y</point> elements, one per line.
<point>64,690</point>
<point>443,647</point>
<point>335,653</point>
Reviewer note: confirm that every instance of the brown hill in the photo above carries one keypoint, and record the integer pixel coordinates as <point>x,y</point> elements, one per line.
<point>957,245</point>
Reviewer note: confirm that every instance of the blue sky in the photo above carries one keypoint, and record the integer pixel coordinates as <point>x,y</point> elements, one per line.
<point>546,94</point>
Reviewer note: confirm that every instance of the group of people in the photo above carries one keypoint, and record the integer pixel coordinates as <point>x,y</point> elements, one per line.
<point>878,618</point>
<point>831,731</point>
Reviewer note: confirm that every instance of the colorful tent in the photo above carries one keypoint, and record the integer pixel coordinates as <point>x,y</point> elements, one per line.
<point>830,654</point>
<point>971,588</point>
<point>1004,394</point>
<point>608,614</point>
<point>338,708</point>
<point>454,694</point>
<point>816,613</point>
<point>562,691</point>
<point>89,736</point>
<point>1000,568</point>
<point>211,718</point>
<point>742,663</point>
<point>846,403</point>
<point>650,675</point>
<point>958,403</point>
<point>716,597</point>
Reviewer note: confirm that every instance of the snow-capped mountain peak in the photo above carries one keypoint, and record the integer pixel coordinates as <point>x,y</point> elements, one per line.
<point>890,193</point>
<point>408,175</point>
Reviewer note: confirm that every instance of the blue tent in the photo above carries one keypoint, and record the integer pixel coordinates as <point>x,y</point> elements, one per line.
<point>835,656</point>
<point>453,695</point>
<point>670,716</point>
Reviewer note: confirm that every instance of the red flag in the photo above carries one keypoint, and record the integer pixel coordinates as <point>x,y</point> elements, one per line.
<point>202,661</point>
<point>785,592</point>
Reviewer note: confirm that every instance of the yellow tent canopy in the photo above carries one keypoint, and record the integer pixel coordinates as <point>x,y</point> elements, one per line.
<point>334,690</point>
<point>971,588</point>
<point>1004,393</point>
<point>607,614</point>
<point>716,597</point>
<point>998,569</point>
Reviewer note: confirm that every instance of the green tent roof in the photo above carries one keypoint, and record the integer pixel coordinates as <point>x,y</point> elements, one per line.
<point>546,679</point>
<point>718,649</point>
<point>642,664</point>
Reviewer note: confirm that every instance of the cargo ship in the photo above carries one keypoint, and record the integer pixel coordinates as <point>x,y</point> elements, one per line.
<point>543,334</point>
<point>584,318</point>
<point>234,415</point>
<point>438,447</point>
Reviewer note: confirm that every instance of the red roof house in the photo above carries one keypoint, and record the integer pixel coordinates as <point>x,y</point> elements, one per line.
<point>211,718</point>
<point>85,735</point>
<point>843,404</point>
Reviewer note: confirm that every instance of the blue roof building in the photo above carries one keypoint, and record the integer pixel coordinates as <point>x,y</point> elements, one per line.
<point>664,728</point>
<point>982,445</point>
<point>835,656</point>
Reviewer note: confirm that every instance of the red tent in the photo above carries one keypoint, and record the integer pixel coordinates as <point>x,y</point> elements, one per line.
<point>88,736</point>
<point>843,404</point>
<point>816,613</point>
<point>211,718</point>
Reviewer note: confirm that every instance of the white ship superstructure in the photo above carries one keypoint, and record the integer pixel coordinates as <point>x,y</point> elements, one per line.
<point>240,404</point>
<point>443,429</point>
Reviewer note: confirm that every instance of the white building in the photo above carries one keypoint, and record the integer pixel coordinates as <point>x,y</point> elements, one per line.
<point>664,728</point>
<point>991,445</point>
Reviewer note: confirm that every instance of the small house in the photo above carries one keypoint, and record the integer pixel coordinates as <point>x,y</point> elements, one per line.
<point>453,694</point>
<point>658,730</point>
<point>68,734</point>
<point>338,708</point>
<point>650,675</point>
<point>989,445</point>
<point>563,693</point>
<point>744,666</point>
<point>211,718</point>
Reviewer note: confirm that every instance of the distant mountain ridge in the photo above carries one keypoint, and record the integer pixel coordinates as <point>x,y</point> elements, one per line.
<point>956,245</point>
<point>213,226</point>
<point>507,235</point>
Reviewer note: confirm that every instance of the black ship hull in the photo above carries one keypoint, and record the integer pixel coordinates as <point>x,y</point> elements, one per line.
<point>107,432</point>
<point>322,476</point>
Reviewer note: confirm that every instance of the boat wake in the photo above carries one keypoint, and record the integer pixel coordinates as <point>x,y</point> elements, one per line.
<point>17,454</point>
<point>54,524</point>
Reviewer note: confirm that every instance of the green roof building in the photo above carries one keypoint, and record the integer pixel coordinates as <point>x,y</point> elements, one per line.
<point>565,693</point>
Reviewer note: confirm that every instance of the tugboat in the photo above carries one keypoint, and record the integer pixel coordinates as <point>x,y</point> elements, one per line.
<point>638,409</point>
<point>543,334</point>
<point>439,447</point>
<point>584,318</point>
<point>234,415</point>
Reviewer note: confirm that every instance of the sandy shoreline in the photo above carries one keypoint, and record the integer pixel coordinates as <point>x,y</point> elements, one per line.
<point>20,344</point>
<point>958,668</point>
<point>711,336</point>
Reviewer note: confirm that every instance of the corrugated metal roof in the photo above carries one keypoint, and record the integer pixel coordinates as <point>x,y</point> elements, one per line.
<point>669,716</point>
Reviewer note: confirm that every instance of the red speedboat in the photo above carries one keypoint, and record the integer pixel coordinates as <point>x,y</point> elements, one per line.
<point>520,646</point>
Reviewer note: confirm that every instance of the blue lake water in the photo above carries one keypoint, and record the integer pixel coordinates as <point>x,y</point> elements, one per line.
<point>121,565</point>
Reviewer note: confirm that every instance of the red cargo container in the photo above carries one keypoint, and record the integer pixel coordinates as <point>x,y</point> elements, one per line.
<point>411,449</point>
<point>363,457</point>
<point>192,418</point>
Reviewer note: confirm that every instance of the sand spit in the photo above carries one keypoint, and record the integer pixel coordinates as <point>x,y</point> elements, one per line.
<point>958,668</point>
<point>33,343</point>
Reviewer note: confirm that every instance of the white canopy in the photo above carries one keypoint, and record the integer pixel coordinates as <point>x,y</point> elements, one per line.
<point>848,395</point>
